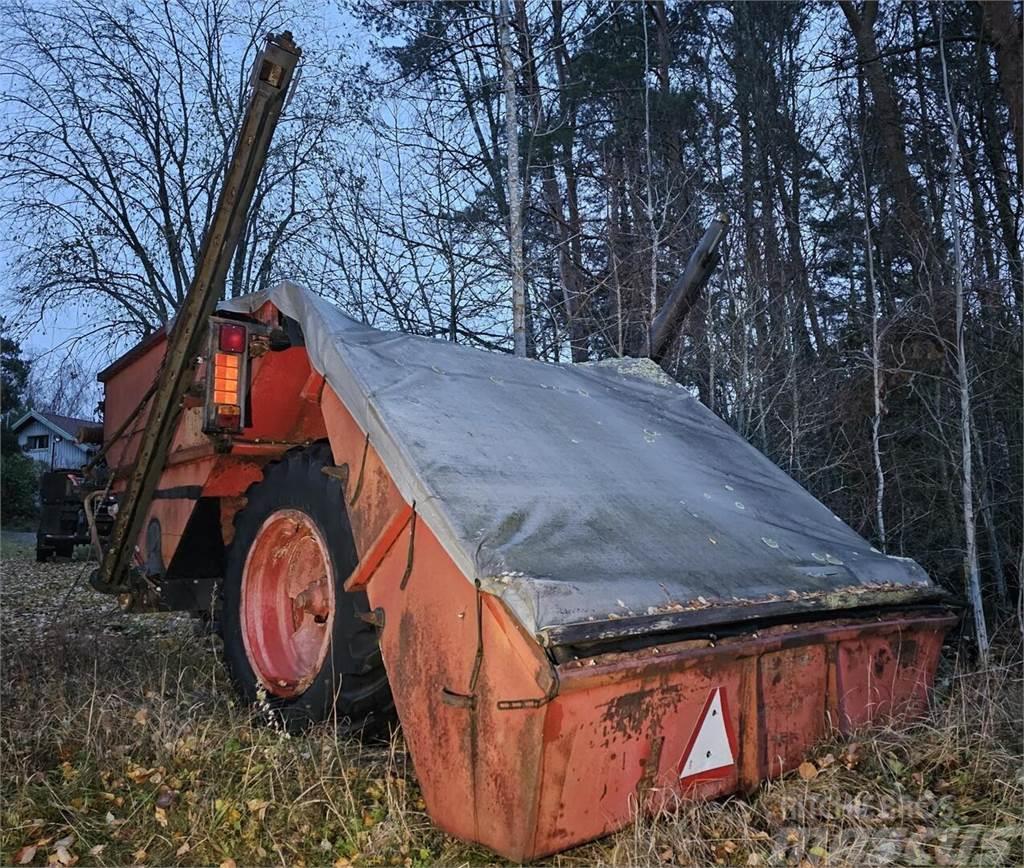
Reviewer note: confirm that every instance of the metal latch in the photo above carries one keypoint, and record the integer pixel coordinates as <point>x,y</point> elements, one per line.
<point>457,700</point>
<point>375,618</point>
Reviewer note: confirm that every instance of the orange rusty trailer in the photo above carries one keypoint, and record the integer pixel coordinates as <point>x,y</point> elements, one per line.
<point>581,592</point>
<point>380,524</point>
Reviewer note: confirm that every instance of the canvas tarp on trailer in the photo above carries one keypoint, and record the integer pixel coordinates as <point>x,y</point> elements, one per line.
<point>577,494</point>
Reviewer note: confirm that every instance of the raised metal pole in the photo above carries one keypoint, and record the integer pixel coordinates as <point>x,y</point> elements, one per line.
<point>272,75</point>
<point>686,290</point>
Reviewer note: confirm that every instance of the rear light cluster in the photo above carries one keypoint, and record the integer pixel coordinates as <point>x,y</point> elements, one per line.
<point>225,388</point>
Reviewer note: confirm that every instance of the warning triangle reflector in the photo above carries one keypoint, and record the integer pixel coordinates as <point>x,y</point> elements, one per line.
<point>711,751</point>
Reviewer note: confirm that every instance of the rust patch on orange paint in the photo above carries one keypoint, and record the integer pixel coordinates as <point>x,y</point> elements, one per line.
<point>231,476</point>
<point>627,713</point>
<point>553,722</point>
<point>905,650</point>
<point>631,713</point>
<point>649,765</point>
<point>229,507</point>
<point>881,661</point>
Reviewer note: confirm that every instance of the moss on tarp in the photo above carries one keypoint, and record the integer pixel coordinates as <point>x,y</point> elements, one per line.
<point>642,369</point>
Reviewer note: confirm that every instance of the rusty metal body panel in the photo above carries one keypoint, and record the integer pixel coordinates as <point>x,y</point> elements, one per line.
<point>452,653</point>
<point>529,757</point>
<point>619,728</point>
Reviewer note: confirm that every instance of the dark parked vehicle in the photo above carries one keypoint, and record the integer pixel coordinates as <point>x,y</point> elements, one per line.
<point>62,521</point>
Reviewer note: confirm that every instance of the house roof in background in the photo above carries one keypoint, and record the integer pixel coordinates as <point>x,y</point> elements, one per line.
<point>66,425</point>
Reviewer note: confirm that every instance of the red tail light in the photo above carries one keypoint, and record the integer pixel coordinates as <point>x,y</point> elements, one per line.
<point>229,417</point>
<point>232,338</point>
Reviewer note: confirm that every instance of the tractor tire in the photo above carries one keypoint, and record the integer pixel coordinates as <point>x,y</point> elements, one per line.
<point>294,642</point>
<point>43,554</point>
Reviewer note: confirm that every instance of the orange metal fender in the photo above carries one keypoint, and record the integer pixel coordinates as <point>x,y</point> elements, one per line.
<point>452,654</point>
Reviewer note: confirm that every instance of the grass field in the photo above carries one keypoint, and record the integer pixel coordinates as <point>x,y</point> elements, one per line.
<point>121,743</point>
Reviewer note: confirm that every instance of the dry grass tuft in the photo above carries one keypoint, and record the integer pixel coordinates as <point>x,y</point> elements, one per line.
<point>121,743</point>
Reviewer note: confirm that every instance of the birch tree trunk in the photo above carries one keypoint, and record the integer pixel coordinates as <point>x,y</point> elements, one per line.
<point>876,368</point>
<point>963,383</point>
<point>649,204</point>
<point>515,195</point>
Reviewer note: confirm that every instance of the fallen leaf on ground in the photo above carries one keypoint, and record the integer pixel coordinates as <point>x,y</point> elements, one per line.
<point>808,771</point>
<point>140,775</point>
<point>164,797</point>
<point>228,863</point>
<point>183,849</point>
<point>160,815</point>
<point>258,807</point>
<point>62,856</point>
<point>142,716</point>
<point>851,756</point>
<point>25,855</point>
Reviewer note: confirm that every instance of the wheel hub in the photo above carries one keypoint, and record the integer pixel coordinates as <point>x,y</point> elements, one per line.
<point>287,602</point>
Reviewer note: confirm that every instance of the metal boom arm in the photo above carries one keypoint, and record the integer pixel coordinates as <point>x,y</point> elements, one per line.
<point>686,290</point>
<point>272,75</point>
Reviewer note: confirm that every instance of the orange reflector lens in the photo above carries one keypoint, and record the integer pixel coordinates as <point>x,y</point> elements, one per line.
<point>225,379</point>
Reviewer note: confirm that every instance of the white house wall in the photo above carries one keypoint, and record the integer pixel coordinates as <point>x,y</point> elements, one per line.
<point>66,453</point>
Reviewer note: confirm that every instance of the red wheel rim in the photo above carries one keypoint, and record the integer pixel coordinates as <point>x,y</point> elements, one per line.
<point>287,602</point>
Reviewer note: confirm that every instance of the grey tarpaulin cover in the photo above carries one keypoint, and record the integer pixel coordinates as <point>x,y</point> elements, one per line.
<point>576,493</point>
